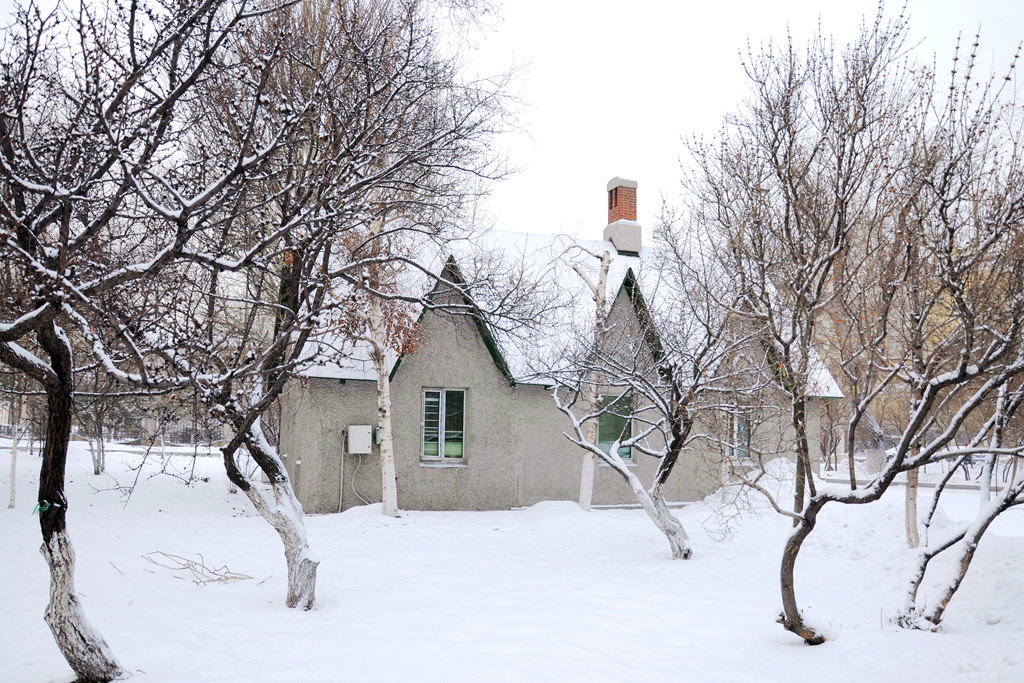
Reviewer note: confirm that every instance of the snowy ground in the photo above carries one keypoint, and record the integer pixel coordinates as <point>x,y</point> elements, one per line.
<point>548,593</point>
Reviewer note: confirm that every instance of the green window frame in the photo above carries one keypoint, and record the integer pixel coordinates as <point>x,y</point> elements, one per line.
<point>615,423</point>
<point>443,433</point>
<point>739,441</point>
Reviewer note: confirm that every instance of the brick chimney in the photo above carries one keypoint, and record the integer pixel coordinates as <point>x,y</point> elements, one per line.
<point>622,230</point>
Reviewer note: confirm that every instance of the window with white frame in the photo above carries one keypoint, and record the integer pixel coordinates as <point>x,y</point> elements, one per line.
<point>444,423</point>
<point>614,424</point>
<point>739,438</point>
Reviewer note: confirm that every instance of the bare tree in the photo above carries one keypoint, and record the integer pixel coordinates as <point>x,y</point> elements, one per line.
<point>384,139</point>
<point>598,288</point>
<point>864,210</point>
<point>792,179</point>
<point>379,313</point>
<point>656,362</point>
<point>94,206</point>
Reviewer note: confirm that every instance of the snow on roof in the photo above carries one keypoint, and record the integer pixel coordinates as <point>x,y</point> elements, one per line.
<point>558,262</point>
<point>549,259</point>
<point>820,381</point>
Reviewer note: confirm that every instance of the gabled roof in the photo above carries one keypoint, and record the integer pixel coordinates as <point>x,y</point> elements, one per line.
<point>560,262</point>
<point>451,273</point>
<point>551,258</point>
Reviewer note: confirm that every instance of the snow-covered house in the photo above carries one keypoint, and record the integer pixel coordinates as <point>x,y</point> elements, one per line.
<point>475,426</point>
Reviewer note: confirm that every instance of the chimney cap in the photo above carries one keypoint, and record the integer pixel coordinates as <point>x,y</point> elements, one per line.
<point>620,182</point>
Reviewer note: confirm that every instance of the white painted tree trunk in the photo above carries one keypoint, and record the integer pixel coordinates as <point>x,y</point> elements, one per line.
<point>653,504</point>
<point>97,447</point>
<point>98,450</point>
<point>101,466</point>
<point>910,509</point>
<point>98,454</point>
<point>283,514</point>
<point>389,483</point>
<point>15,440</point>
<point>281,508</point>
<point>988,467</point>
<point>85,650</point>
<point>660,514</point>
<point>14,466</point>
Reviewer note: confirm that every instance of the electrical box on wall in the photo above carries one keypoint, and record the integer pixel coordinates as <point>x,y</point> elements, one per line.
<point>360,438</point>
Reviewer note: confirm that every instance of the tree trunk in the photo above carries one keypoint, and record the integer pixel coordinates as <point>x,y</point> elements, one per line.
<point>14,466</point>
<point>798,488</point>
<point>389,483</point>
<point>996,441</point>
<point>804,472</point>
<point>659,513</point>
<point>910,509</point>
<point>589,459</point>
<point>82,646</point>
<point>987,469</point>
<point>791,619</point>
<point>100,466</point>
<point>681,425</point>
<point>851,440</point>
<point>968,546</point>
<point>599,290</point>
<point>97,450</point>
<point>282,510</point>
<point>910,615</point>
<point>853,471</point>
<point>15,440</point>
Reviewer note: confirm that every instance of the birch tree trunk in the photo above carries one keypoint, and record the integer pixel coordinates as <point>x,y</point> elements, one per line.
<point>599,290</point>
<point>589,467</point>
<point>389,483</point>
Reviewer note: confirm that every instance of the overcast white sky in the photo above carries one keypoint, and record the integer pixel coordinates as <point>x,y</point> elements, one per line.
<point>681,63</point>
<point>609,87</point>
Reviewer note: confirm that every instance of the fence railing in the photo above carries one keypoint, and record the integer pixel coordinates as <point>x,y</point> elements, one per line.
<point>180,435</point>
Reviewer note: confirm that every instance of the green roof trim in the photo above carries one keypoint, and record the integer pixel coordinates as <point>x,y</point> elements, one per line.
<point>452,273</point>
<point>631,286</point>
